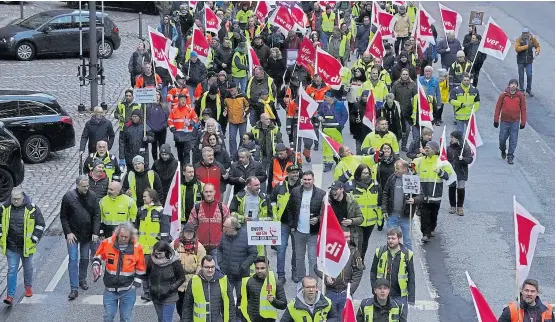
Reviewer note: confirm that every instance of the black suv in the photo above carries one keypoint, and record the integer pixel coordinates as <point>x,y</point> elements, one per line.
<point>12,170</point>
<point>56,32</point>
<point>38,122</point>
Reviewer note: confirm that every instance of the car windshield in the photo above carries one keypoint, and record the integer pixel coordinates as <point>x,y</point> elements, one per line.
<point>35,21</point>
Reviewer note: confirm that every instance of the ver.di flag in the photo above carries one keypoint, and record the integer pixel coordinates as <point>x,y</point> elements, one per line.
<point>369,119</point>
<point>306,56</point>
<point>307,108</point>
<point>172,206</point>
<point>328,68</point>
<point>484,312</point>
<point>495,42</point>
<point>282,19</point>
<point>451,19</point>
<point>443,157</point>
<point>212,22</point>
<point>348,315</point>
<point>334,145</point>
<point>376,46</point>
<point>424,108</point>
<point>472,136</point>
<point>252,58</point>
<point>262,10</point>
<point>332,248</point>
<point>385,23</point>
<point>527,230</point>
<point>199,44</point>
<point>163,52</point>
<point>299,18</point>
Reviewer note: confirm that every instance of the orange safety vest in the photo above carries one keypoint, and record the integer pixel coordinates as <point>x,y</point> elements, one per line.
<point>279,174</point>
<point>180,118</point>
<point>518,315</point>
<point>140,81</point>
<point>173,96</point>
<point>316,93</point>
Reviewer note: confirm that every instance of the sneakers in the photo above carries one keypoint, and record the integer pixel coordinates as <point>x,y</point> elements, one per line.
<point>530,93</point>
<point>503,154</point>
<point>316,146</point>
<point>327,167</point>
<point>282,280</point>
<point>510,161</point>
<point>9,300</point>
<point>146,297</point>
<point>425,239</point>
<point>459,211</point>
<point>452,210</point>
<point>28,291</point>
<point>73,295</point>
<point>433,233</point>
<point>83,285</point>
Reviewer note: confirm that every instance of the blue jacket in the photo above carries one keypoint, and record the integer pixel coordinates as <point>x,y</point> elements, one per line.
<point>173,32</point>
<point>431,87</point>
<point>338,111</point>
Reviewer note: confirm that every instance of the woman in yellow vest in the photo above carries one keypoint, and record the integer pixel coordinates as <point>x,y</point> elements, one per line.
<point>444,95</point>
<point>153,225</point>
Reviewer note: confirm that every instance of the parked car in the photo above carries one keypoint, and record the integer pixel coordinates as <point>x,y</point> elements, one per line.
<point>57,32</point>
<point>38,122</point>
<point>12,170</point>
<point>150,7</point>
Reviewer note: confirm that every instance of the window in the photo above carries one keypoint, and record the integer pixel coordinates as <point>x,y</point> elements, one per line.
<point>63,22</point>
<point>8,109</point>
<point>35,21</point>
<point>84,21</point>
<point>31,108</point>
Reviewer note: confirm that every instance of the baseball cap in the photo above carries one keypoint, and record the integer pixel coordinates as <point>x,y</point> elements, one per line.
<point>381,282</point>
<point>337,185</point>
<point>293,167</point>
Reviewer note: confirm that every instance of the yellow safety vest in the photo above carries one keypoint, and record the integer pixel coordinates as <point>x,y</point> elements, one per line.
<point>382,269</point>
<point>236,72</point>
<point>243,16</point>
<point>204,104</point>
<point>327,24</point>
<point>411,12</point>
<point>380,91</point>
<point>393,315</point>
<point>108,166</point>
<point>367,199</point>
<point>304,316</point>
<point>122,111</point>
<point>29,247</point>
<point>118,210</point>
<point>266,310</point>
<point>197,188</point>
<point>240,213</point>
<point>200,304</point>
<point>131,180</point>
<point>342,49</point>
<point>373,140</point>
<point>350,163</point>
<point>269,83</point>
<point>282,199</point>
<point>149,229</point>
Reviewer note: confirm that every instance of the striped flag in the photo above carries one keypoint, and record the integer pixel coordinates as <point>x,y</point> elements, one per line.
<point>484,312</point>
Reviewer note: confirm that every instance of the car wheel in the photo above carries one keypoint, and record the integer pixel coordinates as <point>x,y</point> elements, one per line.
<point>25,51</point>
<point>6,184</point>
<point>106,50</point>
<point>36,149</point>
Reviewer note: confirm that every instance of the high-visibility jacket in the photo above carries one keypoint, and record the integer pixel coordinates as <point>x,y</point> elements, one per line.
<point>352,30</point>
<point>283,193</point>
<point>122,113</point>
<point>132,183</point>
<point>269,82</point>
<point>114,211</point>
<point>368,199</point>
<point>274,132</point>
<point>424,167</point>
<point>457,71</point>
<point>355,10</point>
<point>345,169</point>
<point>197,196</point>
<point>374,140</point>
<point>384,76</point>
<point>110,165</point>
<point>243,16</point>
<point>327,22</point>
<point>122,268</point>
<point>201,302</point>
<point>140,81</point>
<point>236,72</point>
<point>368,311</point>
<point>517,313</point>
<point>411,12</point>
<point>318,315</point>
<point>32,230</point>
<point>342,49</point>
<point>210,57</point>
<point>266,310</point>
<point>218,105</point>
<point>153,227</point>
<point>317,94</point>
<point>414,116</point>
<point>345,73</point>
<point>180,118</point>
<point>380,91</point>
<point>249,36</point>
<point>464,99</point>
<point>361,64</point>
<point>237,207</point>
<point>383,268</point>
<point>279,174</point>
<point>173,95</point>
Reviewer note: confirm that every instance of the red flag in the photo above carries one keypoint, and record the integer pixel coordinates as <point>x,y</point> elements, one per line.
<point>306,56</point>
<point>369,119</point>
<point>172,205</point>
<point>443,158</point>
<point>451,20</point>
<point>527,230</point>
<point>329,69</point>
<point>307,108</point>
<point>161,47</point>
<point>348,314</point>
<point>332,248</point>
<point>262,10</point>
<point>200,44</point>
<point>398,3</point>
<point>334,145</point>
<point>495,42</point>
<point>385,23</point>
<point>472,136</point>
<point>484,312</point>
<point>252,58</point>
<point>376,46</point>
<point>299,17</point>
<point>325,4</point>
<point>374,13</point>
<point>212,22</point>
<point>425,22</point>
<point>282,19</point>
<point>424,108</point>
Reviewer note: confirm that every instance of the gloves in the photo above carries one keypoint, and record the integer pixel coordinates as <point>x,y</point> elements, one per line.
<point>521,126</point>
<point>191,123</point>
<point>172,129</point>
<point>145,139</point>
<point>496,125</point>
<point>122,163</point>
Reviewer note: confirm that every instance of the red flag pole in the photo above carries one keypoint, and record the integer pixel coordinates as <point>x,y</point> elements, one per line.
<point>297,144</point>
<point>468,129</point>
<point>324,226</point>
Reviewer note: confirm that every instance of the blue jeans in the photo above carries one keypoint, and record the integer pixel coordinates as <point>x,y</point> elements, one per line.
<point>78,252</point>
<point>338,300</point>
<point>214,254</point>
<point>462,126</point>
<point>528,69</point>
<point>324,40</point>
<point>232,132</point>
<point>511,130</point>
<point>242,83</point>
<point>13,265</point>
<point>165,312</point>
<point>191,90</point>
<point>403,301</point>
<point>281,256</point>
<point>125,300</point>
<point>305,244</point>
<point>395,220</point>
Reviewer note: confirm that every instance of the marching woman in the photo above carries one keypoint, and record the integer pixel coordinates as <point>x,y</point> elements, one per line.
<point>460,162</point>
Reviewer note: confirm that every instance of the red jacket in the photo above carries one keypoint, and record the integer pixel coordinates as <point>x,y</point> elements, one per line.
<point>211,174</point>
<point>511,108</point>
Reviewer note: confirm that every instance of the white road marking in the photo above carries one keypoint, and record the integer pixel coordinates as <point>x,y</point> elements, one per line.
<point>317,169</point>
<point>59,273</point>
<point>86,300</point>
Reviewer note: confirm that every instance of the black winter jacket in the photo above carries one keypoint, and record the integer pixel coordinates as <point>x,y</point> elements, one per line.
<point>404,93</point>
<point>276,68</point>
<point>352,273</point>
<point>461,167</point>
<point>235,256</point>
<point>393,266</point>
<point>239,171</point>
<point>294,206</point>
<point>165,171</point>
<point>380,313</point>
<point>254,285</point>
<point>197,72</point>
<point>99,187</point>
<point>388,198</point>
<point>213,295</point>
<point>224,56</point>
<point>80,215</point>
<point>165,279</point>
<point>97,130</point>
<point>131,142</point>
<point>141,183</point>
<point>14,241</point>
<point>397,70</point>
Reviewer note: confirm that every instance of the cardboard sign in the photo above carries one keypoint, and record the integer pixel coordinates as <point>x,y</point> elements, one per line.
<point>476,17</point>
<point>411,184</point>
<point>291,56</point>
<point>264,233</point>
<point>144,95</point>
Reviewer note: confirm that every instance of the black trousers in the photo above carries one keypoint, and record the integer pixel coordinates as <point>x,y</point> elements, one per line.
<point>366,235</point>
<point>184,150</point>
<point>437,113</point>
<point>179,303</point>
<point>159,140</point>
<point>429,217</point>
<point>456,195</point>
<point>399,41</point>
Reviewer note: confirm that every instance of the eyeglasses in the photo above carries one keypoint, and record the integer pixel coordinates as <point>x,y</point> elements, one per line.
<point>209,267</point>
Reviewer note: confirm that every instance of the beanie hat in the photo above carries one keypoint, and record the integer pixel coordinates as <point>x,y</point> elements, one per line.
<point>137,113</point>
<point>280,147</point>
<point>457,135</point>
<point>189,227</point>
<point>138,159</point>
<point>97,162</point>
<point>460,53</point>
<point>207,111</point>
<point>513,80</point>
<point>213,90</point>
<point>381,282</point>
<point>165,148</point>
<point>193,54</point>
<point>433,145</point>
